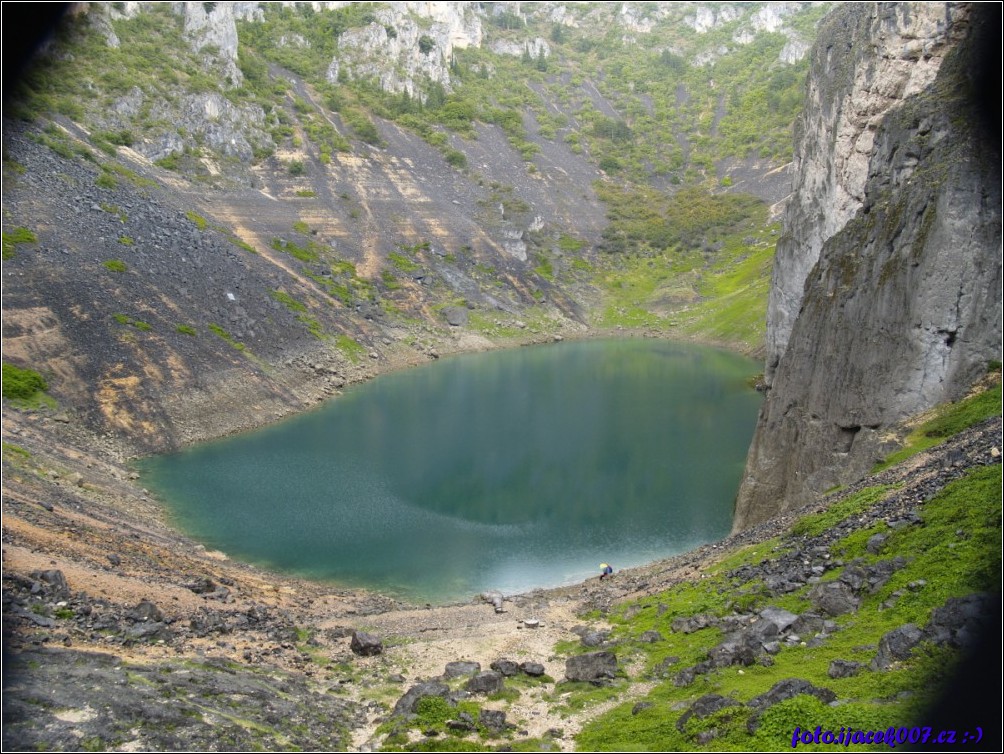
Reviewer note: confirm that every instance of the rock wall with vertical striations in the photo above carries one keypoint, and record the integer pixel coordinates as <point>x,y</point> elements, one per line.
<point>900,199</point>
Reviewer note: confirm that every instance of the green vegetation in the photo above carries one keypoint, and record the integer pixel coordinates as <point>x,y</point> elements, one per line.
<point>115,265</point>
<point>22,384</point>
<point>106,180</point>
<point>139,324</point>
<point>694,264</point>
<point>198,220</point>
<point>816,524</point>
<point>350,347</point>
<point>186,330</point>
<point>220,332</point>
<point>14,453</point>
<point>288,301</point>
<point>403,263</point>
<point>310,252</point>
<point>11,240</point>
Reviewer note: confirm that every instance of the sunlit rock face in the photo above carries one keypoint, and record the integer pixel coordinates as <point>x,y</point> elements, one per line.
<point>886,296</point>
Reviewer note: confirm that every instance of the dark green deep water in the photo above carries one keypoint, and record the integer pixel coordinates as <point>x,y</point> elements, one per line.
<point>506,470</point>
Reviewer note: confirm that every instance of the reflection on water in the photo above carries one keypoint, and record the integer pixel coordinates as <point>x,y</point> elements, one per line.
<point>506,470</point>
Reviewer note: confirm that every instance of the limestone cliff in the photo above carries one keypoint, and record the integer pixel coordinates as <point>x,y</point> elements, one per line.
<point>899,193</point>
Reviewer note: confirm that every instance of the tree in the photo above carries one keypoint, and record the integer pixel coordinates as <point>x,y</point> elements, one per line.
<point>426,44</point>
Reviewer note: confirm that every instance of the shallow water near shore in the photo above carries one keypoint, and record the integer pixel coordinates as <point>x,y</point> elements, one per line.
<point>507,470</point>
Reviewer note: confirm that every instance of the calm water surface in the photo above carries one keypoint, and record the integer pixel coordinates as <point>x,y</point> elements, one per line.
<point>506,470</point>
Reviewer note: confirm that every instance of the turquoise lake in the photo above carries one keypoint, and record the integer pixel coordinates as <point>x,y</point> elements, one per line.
<point>506,470</point>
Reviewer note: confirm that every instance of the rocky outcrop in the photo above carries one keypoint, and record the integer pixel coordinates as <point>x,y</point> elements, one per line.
<point>400,52</point>
<point>902,310</point>
<point>865,64</point>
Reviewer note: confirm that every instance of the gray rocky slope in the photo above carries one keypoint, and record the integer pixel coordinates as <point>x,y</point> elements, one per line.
<point>902,309</point>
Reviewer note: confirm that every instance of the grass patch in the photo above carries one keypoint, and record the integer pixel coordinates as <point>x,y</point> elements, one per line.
<point>139,324</point>
<point>403,263</point>
<point>197,220</point>
<point>11,239</point>
<point>818,523</point>
<point>221,333</point>
<point>310,252</point>
<point>186,330</point>
<point>115,265</point>
<point>243,245</point>
<point>288,301</point>
<point>350,347</point>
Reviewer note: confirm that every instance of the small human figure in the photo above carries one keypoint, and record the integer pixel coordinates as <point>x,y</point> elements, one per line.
<point>605,570</point>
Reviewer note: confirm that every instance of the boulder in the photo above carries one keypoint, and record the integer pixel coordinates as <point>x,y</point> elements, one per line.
<point>408,704</point>
<point>834,598</point>
<point>365,645</point>
<point>488,682</point>
<point>145,611</point>
<point>54,579</point>
<point>781,691</point>
<point>593,667</point>
<point>460,668</point>
<point>959,621</point>
<point>707,705</point>
<point>505,667</point>
<point>788,688</point>
<point>594,638</point>
<point>896,645</point>
<point>783,619</point>
<point>534,669</point>
<point>844,668</point>
<point>492,719</point>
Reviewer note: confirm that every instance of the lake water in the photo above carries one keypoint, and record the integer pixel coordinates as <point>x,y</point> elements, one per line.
<point>506,470</point>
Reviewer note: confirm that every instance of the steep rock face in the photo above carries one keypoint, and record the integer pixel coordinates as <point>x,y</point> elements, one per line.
<point>903,308</point>
<point>867,61</point>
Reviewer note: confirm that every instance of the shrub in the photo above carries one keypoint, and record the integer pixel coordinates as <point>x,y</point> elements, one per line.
<point>22,384</point>
<point>456,158</point>
<point>116,265</point>
<point>296,168</point>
